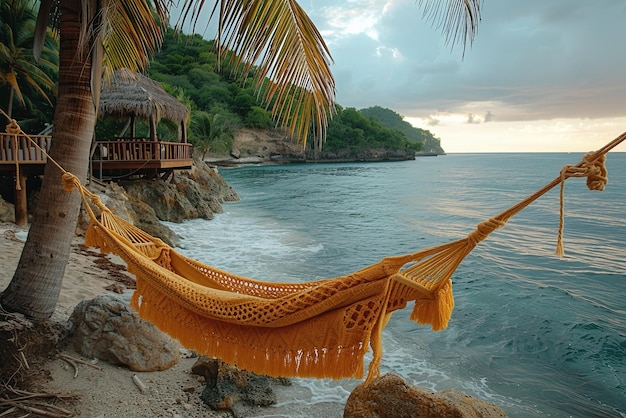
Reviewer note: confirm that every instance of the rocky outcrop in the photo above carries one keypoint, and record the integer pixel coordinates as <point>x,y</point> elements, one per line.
<point>191,194</point>
<point>228,388</point>
<point>195,193</point>
<point>391,397</point>
<point>128,208</point>
<point>7,211</point>
<point>107,328</point>
<point>274,147</point>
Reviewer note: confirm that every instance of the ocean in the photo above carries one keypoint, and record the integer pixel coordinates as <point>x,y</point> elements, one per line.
<point>537,335</point>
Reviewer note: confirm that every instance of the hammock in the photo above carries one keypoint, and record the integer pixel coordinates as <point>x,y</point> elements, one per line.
<point>313,329</point>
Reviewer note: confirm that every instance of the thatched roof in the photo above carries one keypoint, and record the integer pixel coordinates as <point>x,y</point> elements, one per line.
<point>133,94</point>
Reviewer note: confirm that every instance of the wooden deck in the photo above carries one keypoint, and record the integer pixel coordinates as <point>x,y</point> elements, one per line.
<point>111,158</point>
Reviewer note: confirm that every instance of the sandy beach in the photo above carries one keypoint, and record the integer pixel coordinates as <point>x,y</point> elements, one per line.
<point>102,390</point>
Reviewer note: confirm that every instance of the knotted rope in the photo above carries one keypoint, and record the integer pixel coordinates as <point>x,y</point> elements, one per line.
<point>592,166</point>
<point>13,129</point>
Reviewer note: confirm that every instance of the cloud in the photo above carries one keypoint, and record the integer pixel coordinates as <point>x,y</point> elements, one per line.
<point>532,63</point>
<point>530,60</point>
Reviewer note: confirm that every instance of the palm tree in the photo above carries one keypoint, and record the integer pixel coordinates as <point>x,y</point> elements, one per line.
<point>275,35</point>
<point>17,63</point>
<point>207,130</point>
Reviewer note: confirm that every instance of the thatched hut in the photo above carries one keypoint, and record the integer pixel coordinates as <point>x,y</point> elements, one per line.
<point>133,95</point>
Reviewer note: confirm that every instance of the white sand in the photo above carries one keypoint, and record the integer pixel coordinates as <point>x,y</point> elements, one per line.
<point>110,391</point>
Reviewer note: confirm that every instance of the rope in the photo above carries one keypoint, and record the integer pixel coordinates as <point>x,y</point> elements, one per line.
<point>13,129</point>
<point>17,130</point>
<point>592,166</point>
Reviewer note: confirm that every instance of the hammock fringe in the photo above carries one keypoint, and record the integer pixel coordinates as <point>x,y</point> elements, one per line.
<point>259,352</point>
<point>435,311</point>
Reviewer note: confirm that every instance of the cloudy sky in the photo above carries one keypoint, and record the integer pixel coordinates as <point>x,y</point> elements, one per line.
<point>541,75</point>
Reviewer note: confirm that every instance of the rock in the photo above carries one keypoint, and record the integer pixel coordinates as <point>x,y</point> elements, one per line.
<point>391,397</point>
<point>7,211</point>
<point>235,153</point>
<point>194,193</point>
<point>239,391</point>
<point>207,368</point>
<point>108,329</point>
<point>128,208</point>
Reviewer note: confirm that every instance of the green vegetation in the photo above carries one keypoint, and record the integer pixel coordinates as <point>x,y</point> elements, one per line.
<point>392,120</point>
<point>221,103</point>
<point>188,64</point>
<point>352,130</point>
<point>27,87</point>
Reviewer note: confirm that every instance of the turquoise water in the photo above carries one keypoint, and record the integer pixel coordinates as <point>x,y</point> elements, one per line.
<point>537,335</point>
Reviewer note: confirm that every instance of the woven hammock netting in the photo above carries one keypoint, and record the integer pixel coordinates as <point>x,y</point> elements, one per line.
<point>316,329</point>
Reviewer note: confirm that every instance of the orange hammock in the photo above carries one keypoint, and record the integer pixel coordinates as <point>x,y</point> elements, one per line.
<point>314,329</point>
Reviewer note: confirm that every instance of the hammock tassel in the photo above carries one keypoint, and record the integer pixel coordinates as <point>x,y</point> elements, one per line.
<point>435,310</point>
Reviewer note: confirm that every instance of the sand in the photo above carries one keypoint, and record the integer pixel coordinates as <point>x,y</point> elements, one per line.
<point>110,391</point>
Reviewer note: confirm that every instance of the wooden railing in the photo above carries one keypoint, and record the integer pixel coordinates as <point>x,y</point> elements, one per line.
<point>133,150</point>
<point>18,147</point>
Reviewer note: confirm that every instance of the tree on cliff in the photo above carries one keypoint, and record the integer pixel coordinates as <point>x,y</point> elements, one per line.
<point>276,36</point>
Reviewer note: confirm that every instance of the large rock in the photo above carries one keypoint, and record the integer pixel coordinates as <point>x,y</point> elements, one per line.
<point>128,208</point>
<point>108,329</point>
<point>191,194</point>
<point>7,211</point>
<point>392,397</point>
<point>228,388</point>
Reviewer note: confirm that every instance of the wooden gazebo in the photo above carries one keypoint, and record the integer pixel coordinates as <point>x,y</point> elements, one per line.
<point>126,95</point>
<point>132,96</point>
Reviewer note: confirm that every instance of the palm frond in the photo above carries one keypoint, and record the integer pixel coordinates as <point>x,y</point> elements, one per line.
<point>130,33</point>
<point>458,19</point>
<point>41,27</point>
<point>278,38</point>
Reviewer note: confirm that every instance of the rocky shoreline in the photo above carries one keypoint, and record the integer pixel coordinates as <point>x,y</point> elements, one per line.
<point>255,147</point>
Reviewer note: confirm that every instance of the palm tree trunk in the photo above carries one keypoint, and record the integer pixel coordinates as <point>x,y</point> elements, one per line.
<point>36,284</point>
<point>10,105</point>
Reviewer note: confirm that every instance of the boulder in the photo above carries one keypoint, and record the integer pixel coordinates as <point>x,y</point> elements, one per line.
<point>391,397</point>
<point>229,388</point>
<point>128,208</point>
<point>7,211</point>
<point>108,329</point>
<point>191,194</point>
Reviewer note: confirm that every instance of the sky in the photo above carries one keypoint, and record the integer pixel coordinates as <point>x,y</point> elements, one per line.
<point>540,76</point>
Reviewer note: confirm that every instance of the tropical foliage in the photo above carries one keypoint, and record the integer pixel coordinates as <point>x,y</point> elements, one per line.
<point>351,130</point>
<point>27,87</point>
<point>393,120</point>
<point>210,132</point>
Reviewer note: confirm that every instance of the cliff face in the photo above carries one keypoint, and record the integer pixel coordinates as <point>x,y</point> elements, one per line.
<point>273,146</point>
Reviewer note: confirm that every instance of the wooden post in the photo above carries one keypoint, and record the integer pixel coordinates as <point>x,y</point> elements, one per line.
<point>21,209</point>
